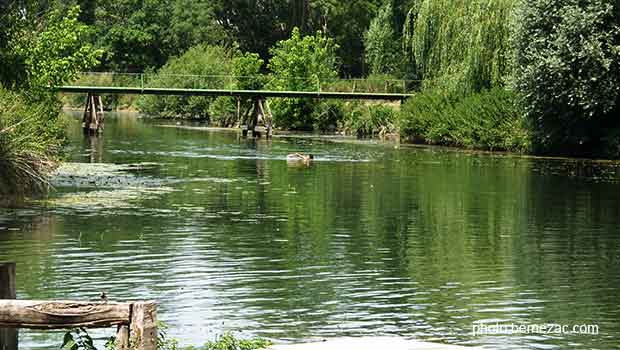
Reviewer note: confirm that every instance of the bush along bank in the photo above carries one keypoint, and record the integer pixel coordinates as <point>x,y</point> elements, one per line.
<point>488,120</point>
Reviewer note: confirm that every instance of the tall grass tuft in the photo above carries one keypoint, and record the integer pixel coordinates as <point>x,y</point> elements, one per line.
<point>29,143</point>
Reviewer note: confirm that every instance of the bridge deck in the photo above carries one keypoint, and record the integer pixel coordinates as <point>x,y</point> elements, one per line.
<point>98,90</point>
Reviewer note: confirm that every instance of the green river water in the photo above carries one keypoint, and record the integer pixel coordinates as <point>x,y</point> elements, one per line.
<point>371,239</point>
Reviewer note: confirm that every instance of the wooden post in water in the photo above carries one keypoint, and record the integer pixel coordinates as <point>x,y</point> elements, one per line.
<point>8,336</point>
<point>92,121</point>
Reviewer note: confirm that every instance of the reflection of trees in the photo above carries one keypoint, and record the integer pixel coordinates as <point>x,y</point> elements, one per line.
<point>279,245</point>
<point>30,248</point>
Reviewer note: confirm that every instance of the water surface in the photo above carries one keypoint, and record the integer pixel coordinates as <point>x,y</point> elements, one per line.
<point>372,239</point>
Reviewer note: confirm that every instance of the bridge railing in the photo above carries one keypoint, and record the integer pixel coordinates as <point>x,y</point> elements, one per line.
<point>259,82</point>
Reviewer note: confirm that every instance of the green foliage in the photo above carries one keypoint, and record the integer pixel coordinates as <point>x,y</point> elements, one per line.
<point>311,58</point>
<point>57,53</point>
<point>567,69</point>
<point>202,66</point>
<point>77,339</point>
<point>138,34</point>
<point>247,71</point>
<point>300,64</point>
<point>383,54</point>
<point>30,142</point>
<point>80,339</point>
<point>258,25</point>
<point>228,342</point>
<point>486,120</point>
<point>365,120</point>
<point>223,111</point>
<point>459,46</point>
<point>327,115</point>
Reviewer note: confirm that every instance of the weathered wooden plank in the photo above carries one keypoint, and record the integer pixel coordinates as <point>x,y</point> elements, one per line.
<point>8,336</point>
<point>143,326</point>
<point>62,314</point>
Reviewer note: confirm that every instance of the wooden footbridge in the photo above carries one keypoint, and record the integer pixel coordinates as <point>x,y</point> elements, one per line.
<point>94,85</point>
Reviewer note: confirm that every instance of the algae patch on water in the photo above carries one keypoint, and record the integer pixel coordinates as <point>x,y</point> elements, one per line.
<point>86,186</point>
<point>104,175</point>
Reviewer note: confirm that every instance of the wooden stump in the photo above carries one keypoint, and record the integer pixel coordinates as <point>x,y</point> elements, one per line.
<point>143,326</point>
<point>8,336</point>
<point>122,338</point>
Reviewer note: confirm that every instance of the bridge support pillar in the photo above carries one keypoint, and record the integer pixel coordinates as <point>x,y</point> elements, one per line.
<point>258,114</point>
<point>92,121</point>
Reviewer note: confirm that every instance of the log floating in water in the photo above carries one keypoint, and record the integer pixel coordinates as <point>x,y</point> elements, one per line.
<point>62,314</point>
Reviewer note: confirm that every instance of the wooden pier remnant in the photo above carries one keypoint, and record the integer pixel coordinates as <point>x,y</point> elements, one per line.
<point>259,113</point>
<point>8,336</point>
<point>136,322</point>
<point>93,119</point>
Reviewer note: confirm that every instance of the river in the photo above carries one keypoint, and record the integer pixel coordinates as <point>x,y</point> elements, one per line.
<point>371,239</point>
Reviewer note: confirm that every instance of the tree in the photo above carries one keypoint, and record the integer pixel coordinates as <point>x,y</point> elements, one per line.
<point>139,34</point>
<point>258,25</point>
<point>300,64</point>
<point>459,45</point>
<point>567,69</point>
<point>382,46</point>
<point>55,55</point>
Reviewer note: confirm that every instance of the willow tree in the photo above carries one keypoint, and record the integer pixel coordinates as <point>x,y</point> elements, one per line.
<point>459,45</point>
<point>382,49</point>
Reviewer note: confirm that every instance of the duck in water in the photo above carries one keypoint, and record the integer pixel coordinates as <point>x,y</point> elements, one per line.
<point>299,158</point>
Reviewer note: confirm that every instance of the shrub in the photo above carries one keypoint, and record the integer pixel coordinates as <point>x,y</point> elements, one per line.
<point>223,111</point>
<point>327,115</point>
<point>202,66</point>
<point>369,120</point>
<point>488,120</point>
<point>567,69</point>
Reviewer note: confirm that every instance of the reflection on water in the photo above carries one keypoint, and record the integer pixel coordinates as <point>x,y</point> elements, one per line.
<point>369,240</point>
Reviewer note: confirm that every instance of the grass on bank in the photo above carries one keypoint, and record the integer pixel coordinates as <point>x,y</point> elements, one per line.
<point>30,143</point>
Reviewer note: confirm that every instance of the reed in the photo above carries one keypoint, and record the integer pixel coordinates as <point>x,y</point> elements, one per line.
<point>30,141</point>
